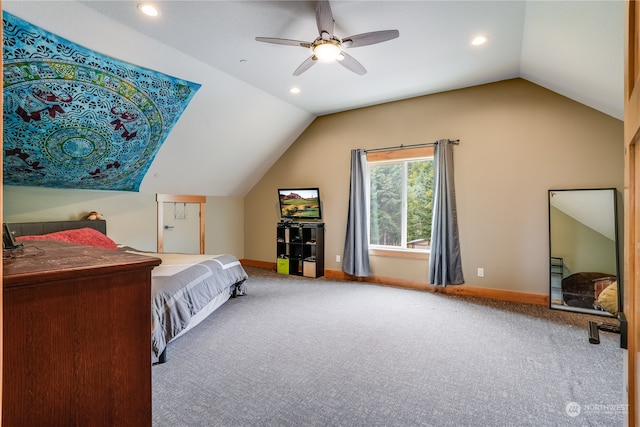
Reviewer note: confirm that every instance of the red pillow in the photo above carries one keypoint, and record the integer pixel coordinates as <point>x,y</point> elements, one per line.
<point>81,236</point>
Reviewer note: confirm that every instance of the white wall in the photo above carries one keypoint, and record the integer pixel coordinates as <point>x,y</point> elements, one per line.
<point>212,138</point>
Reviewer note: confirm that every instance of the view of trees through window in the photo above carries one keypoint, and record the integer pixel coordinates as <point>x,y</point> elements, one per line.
<point>401,203</point>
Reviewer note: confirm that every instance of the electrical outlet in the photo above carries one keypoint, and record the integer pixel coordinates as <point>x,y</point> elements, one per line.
<point>337,258</point>
<point>480,272</point>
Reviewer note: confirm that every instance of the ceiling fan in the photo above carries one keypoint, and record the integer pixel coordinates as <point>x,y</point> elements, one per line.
<point>327,47</point>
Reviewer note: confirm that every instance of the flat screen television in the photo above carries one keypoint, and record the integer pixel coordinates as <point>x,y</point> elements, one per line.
<point>300,203</point>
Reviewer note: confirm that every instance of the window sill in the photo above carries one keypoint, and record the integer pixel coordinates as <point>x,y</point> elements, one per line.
<point>400,253</point>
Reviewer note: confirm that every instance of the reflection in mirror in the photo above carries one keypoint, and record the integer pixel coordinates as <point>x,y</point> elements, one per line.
<point>583,244</point>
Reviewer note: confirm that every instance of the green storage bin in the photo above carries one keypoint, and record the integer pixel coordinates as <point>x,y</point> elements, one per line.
<point>283,266</point>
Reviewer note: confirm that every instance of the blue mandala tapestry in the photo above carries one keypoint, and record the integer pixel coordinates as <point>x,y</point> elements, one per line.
<point>76,119</point>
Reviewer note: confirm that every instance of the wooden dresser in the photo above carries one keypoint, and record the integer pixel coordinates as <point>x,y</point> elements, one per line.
<point>77,337</point>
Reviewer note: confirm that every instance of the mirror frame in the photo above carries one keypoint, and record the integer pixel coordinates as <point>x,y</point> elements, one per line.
<point>617,244</point>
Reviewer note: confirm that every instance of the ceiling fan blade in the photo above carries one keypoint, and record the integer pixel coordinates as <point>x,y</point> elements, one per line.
<point>284,41</point>
<point>324,18</point>
<point>373,37</point>
<point>308,63</point>
<point>350,63</point>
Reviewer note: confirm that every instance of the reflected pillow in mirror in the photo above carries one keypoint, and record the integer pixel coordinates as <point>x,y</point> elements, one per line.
<point>608,298</point>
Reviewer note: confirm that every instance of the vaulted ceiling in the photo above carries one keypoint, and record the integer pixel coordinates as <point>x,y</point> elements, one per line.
<point>244,117</point>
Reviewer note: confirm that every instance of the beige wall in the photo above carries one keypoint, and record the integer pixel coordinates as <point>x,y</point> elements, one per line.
<point>131,217</point>
<point>517,140</point>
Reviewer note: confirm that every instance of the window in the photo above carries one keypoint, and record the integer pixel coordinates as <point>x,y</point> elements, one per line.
<point>400,199</point>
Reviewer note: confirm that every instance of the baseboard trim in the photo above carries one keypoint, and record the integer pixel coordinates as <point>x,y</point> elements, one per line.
<point>259,264</point>
<point>464,290</point>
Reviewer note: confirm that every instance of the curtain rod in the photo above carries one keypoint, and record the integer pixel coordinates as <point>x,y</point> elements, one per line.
<point>404,147</point>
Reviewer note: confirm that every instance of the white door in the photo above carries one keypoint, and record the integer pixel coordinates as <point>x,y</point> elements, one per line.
<point>181,227</point>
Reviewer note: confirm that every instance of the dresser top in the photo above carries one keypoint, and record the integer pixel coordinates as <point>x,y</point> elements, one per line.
<point>42,260</point>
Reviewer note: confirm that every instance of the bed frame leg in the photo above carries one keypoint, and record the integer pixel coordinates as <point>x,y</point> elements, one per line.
<point>163,356</point>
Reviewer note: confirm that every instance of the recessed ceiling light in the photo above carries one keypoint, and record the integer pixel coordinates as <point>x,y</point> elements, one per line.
<point>148,9</point>
<point>294,90</point>
<point>478,40</point>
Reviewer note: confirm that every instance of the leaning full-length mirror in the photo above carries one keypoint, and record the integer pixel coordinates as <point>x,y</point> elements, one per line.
<point>583,246</point>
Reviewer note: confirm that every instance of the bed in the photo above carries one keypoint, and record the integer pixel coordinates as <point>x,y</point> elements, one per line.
<point>185,288</point>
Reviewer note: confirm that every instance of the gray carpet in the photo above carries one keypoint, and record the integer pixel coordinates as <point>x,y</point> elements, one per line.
<point>316,352</point>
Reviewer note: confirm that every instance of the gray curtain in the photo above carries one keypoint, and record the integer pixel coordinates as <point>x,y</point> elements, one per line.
<point>445,262</point>
<point>355,259</point>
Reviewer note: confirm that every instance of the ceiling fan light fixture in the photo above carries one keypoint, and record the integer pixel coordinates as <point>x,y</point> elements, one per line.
<point>327,51</point>
<point>327,47</point>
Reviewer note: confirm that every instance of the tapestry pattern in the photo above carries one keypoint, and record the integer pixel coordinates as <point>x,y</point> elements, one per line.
<point>74,118</point>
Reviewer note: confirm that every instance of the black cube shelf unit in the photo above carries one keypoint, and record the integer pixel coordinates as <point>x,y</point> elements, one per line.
<point>300,248</point>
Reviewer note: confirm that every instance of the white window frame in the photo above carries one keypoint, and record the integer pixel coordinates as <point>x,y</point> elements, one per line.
<point>396,156</point>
